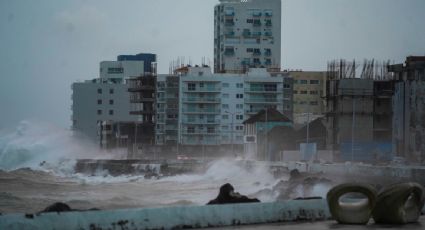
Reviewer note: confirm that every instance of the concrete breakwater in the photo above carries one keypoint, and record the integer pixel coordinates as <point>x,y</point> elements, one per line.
<point>173,217</point>
<point>383,174</point>
<point>127,167</point>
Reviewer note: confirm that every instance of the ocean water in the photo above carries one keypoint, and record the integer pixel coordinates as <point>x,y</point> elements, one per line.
<point>28,186</point>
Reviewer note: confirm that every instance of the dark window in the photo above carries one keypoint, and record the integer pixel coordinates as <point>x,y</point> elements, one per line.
<point>314,81</point>
<point>111,102</point>
<point>99,91</point>
<point>111,112</point>
<point>111,91</point>
<point>99,102</point>
<point>191,86</point>
<point>99,112</point>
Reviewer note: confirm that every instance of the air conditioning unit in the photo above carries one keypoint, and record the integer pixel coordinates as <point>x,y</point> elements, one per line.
<point>250,139</point>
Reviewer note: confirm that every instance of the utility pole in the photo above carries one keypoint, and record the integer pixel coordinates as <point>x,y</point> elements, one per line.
<point>352,130</point>
<point>267,141</point>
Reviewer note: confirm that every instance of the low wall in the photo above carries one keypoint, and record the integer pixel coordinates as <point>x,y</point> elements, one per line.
<point>173,217</point>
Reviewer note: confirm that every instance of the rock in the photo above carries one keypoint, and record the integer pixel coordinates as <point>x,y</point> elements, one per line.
<point>62,207</point>
<point>57,207</point>
<point>228,196</point>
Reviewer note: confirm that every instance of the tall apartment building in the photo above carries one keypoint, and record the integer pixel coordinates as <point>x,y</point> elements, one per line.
<point>211,107</point>
<point>309,92</point>
<point>105,98</point>
<point>247,34</point>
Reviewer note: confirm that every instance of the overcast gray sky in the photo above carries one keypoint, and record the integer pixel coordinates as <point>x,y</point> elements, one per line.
<point>47,45</point>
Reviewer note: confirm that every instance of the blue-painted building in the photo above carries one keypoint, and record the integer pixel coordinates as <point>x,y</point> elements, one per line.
<point>147,58</point>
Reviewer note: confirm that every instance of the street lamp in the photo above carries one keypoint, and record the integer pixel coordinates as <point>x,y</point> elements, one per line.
<point>232,114</point>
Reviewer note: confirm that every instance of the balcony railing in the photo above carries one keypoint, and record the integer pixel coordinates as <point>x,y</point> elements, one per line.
<point>261,100</point>
<point>201,121</point>
<point>203,90</point>
<point>210,111</point>
<point>201,100</point>
<point>263,90</point>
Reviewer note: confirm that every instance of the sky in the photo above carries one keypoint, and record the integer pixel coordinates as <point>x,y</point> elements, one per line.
<point>47,45</point>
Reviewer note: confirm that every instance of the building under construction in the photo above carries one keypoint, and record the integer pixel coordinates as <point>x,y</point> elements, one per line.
<point>359,111</point>
<point>142,98</point>
<point>409,109</point>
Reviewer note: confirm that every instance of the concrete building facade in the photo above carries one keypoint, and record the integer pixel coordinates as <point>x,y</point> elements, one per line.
<point>309,92</point>
<point>105,98</point>
<point>358,118</point>
<point>247,34</point>
<point>409,109</point>
<point>212,107</point>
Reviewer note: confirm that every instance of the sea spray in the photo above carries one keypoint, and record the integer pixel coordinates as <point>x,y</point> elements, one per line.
<point>43,146</point>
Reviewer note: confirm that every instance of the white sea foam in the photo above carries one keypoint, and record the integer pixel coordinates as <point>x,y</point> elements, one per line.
<point>43,146</point>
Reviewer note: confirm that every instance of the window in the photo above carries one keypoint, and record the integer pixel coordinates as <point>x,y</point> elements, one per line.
<point>111,112</point>
<point>111,102</point>
<point>303,92</point>
<point>99,91</point>
<point>225,106</point>
<point>210,130</point>
<point>115,70</point>
<point>295,92</point>
<point>249,50</point>
<point>239,106</point>
<point>239,117</point>
<point>286,86</point>
<point>99,112</point>
<point>303,81</point>
<point>99,102</point>
<point>201,85</point>
<point>314,81</point>
<point>224,127</point>
<point>239,85</point>
<point>225,116</point>
<point>190,129</point>
<point>249,20</point>
<point>303,102</point>
<point>314,92</point>
<point>191,86</point>
<point>225,85</point>
<point>239,95</point>
<point>111,91</point>
<point>270,87</point>
<point>239,127</point>
<point>314,103</point>
<point>225,95</point>
<point>295,81</point>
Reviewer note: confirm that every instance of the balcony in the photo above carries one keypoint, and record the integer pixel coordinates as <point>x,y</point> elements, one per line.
<point>201,121</point>
<point>203,100</point>
<point>141,99</point>
<point>229,23</point>
<point>229,34</point>
<point>268,22</point>
<point>256,23</point>
<point>202,111</point>
<point>263,90</point>
<point>256,53</point>
<point>261,100</point>
<point>201,132</point>
<point>229,52</point>
<point>202,90</point>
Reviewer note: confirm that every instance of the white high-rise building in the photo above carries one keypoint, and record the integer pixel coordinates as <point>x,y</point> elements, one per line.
<point>212,106</point>
<point>247,34</point>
